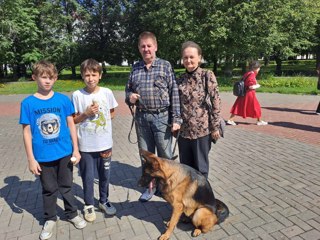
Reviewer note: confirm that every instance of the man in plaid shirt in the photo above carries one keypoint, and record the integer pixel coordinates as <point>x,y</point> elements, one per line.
<point>152,88</point>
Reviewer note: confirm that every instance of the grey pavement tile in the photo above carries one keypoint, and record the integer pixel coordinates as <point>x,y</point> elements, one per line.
<point>237,236</point>
<point>254,222</point>
<point>263,234</point>
<point>297,238</point>
<point>281,219</point>
<point>229,228</point>
<point>273,226</point>
<point>298,222</point>
<point>314,223</point>
<point>245,231</point>
<point>292,231</point>
<point>311,235</point>
<point>279,236</point>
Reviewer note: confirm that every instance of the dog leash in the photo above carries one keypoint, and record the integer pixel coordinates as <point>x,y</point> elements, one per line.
<point>175,145</point>
<point>132,122</point>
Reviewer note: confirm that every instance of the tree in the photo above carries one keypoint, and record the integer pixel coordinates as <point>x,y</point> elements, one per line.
<point>102,32</point>
<point>60,24</point>
<point>290,29</point>
<point>19,35</point>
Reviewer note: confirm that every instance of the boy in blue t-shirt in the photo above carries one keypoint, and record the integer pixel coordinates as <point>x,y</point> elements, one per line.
<point>50,140</point>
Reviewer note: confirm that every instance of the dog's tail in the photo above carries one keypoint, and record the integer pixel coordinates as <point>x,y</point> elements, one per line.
<point>222,211</point>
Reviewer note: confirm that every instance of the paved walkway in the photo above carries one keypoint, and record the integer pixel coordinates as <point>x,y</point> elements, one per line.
<point>269,176</point>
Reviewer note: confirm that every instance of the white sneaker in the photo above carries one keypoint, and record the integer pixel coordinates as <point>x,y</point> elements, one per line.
<point>146,196</point>
<point>47,229</point>
<point>89,213</point>
<point>229,122</point>
<point>78,222</point>
<point>262,123</point>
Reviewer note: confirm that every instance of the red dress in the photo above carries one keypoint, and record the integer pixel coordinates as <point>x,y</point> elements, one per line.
<point>248,105</point>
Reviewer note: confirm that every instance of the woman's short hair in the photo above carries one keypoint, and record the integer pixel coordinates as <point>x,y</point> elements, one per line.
<point>191,44</point>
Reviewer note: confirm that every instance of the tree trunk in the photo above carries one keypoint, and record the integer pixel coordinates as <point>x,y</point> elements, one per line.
<point>215,66</point>
<point>318,56</point>
<point>228,67</point>
<point>2,70</point>
<point>73,72</point>
<point>104,69</point>
<point>243,65</point>
<point>279,66</point>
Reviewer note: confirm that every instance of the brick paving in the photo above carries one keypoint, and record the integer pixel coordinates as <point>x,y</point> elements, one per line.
<point>269,176</point>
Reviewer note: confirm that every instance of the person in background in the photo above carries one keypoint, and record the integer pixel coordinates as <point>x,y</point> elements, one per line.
<point>94,107</point>
<point>318,71</point>
<point>197,130</point>
<point>248,105</point>
<point>152,88</point>
<point>50,140</point>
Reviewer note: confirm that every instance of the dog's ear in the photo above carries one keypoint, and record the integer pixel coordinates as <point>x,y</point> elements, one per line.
<point>155,164</point>
<point>146,154</point>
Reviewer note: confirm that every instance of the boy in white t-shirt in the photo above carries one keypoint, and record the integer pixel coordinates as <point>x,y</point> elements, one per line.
<point>94,109</point>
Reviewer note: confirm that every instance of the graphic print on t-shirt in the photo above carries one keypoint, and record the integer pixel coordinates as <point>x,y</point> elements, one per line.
<point>99,120</point>
<point>49,125</point>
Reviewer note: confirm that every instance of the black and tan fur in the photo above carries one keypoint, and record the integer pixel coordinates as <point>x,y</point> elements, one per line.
<point>188,192</point>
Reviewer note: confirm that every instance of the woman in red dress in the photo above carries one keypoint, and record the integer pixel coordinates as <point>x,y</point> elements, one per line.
<point>248,105</point>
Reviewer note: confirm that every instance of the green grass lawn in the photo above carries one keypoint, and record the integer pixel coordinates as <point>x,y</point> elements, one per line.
<point>285,85</point>
<point>117,77</point>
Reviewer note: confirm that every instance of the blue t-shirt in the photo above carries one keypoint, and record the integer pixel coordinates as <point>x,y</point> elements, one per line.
<point>51,138</point>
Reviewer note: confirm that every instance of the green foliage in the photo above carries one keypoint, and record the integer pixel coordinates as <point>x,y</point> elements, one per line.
<point>118,69</point>
<point>231,33</point>
<point>288,82</point>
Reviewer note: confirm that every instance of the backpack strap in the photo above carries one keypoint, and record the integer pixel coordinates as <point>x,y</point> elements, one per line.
<point>206,85</point>
<point>244,79</point>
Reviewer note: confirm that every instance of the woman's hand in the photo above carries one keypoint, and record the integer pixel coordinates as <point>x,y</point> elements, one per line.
<point>215,135</point>
<point>254,86</point>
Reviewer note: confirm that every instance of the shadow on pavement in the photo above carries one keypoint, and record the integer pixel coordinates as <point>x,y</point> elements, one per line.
<point>27,196</point>
<point>125,175</point>
<point>296,126</point>
<point>280,109</point>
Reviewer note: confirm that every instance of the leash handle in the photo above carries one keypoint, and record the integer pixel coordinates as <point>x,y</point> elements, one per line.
<point>132,123</point>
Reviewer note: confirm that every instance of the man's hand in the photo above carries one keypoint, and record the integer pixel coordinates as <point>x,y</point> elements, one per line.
<point>134,97</point>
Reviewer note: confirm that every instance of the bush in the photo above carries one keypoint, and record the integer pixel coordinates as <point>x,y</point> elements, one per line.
<point>288,82</point>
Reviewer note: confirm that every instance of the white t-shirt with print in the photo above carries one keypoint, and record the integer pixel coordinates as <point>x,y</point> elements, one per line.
<point>95,133</point>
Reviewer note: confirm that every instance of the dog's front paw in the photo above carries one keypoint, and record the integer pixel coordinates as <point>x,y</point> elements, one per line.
<point>164,236</point>
<point>196,232</point>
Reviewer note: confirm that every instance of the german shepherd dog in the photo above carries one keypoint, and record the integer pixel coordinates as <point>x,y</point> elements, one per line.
<point>188,192</point>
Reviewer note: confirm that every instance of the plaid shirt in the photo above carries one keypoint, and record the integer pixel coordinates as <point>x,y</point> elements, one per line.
<point>156,86</point>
